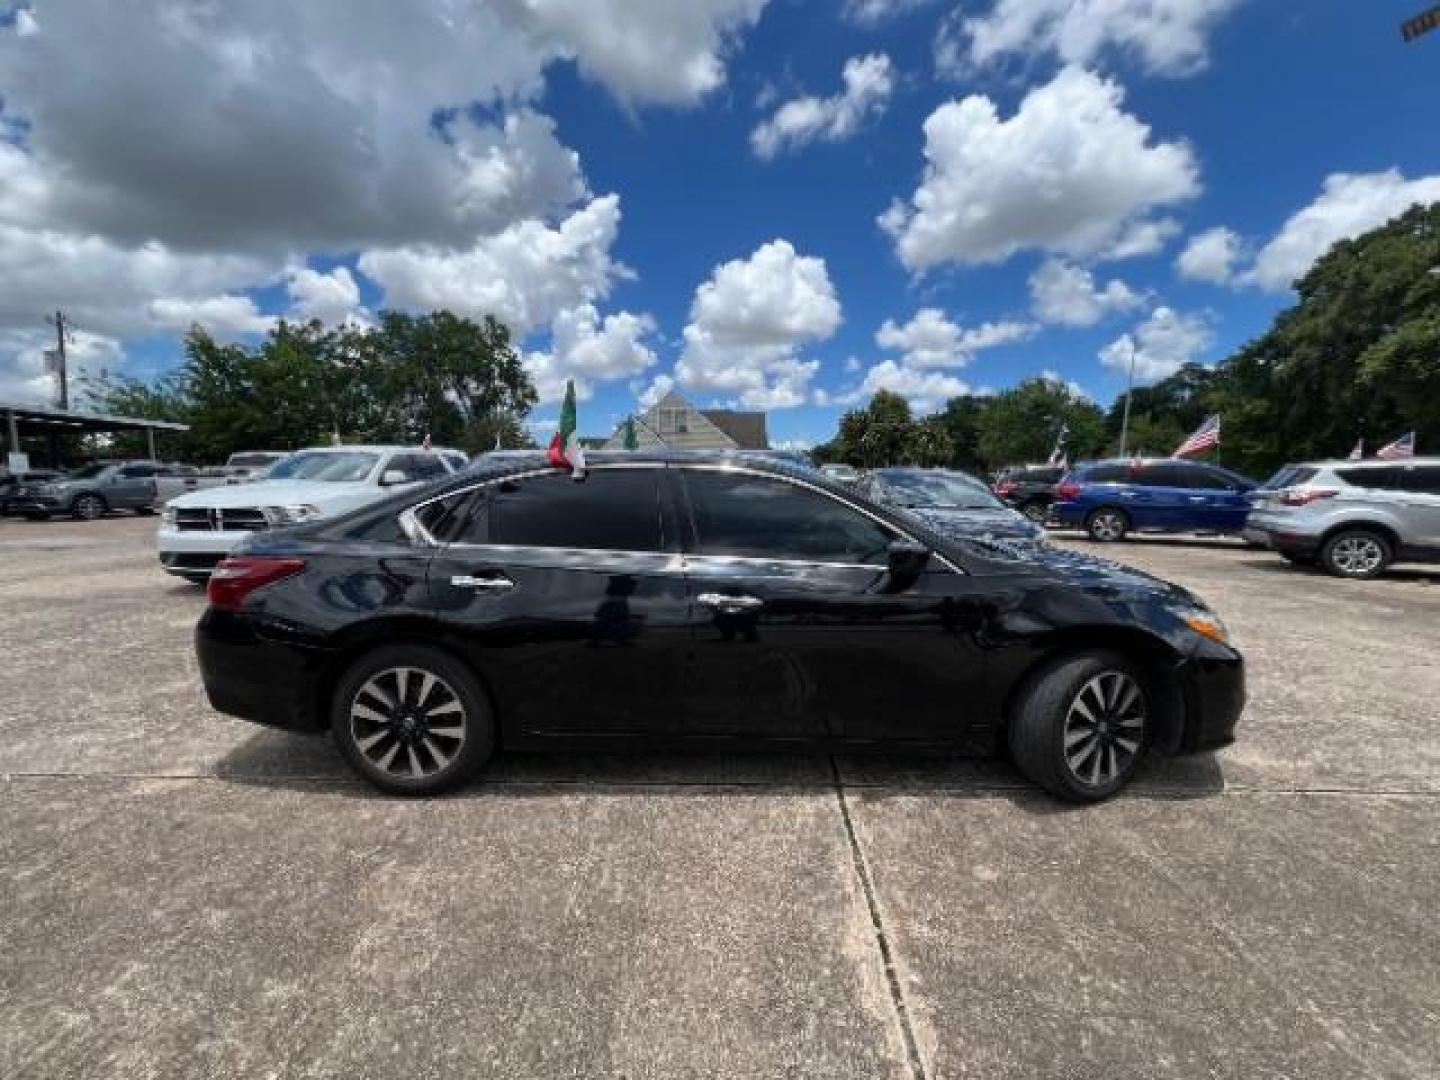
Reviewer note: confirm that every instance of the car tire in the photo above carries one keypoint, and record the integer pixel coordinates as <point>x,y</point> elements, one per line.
<point>145,511</point>
<point>1080,726</point>
<point>412,720</point>
<point>1356,553</point>
<point>88,507</point>
<point>1036,510</point>
<point>1107,525</point>
<point>1295,558</point>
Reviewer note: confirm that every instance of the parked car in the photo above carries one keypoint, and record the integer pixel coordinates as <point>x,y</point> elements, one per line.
<point>840,472</point>
<point>89,492</point>
<point>9,481</point>
<point>1354,518</point>
<point>251,464</point>
<point>701,599</point>
<point>1029,488</point>
<point>951,503</point>
<point>199,529</point>
<point>1110,499</point>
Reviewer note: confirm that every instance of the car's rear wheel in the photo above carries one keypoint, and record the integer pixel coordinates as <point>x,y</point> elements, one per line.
<point>1356,553</point>
<point>1080,727</point>
<point>1107,524</point>
<point>412,720</point>
<point>88,507</point>
<point>1297,558</point>
<point>1036,510</point>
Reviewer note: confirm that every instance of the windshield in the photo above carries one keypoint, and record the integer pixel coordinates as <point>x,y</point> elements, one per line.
<point>938,490</point>
<point>253,460</point>
<point>87,472</point>
<point>327,466</point>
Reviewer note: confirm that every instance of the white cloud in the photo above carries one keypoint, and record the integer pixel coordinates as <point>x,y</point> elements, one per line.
<point>590,350</point>
<point>1211,256</point>
<point>524,276</point>
<point>332,297</point>
<point>1143,238</point>
<point>1167,37</point>
<point>868,83</point>
<point>1349,205</point>
<point>930,340</point>
<point>1162,344</point>
<point>650,396</point>
<point>874,12</point>
<point>748,322</point>
<point>221,316</point>
<point>1068,173</point>
<point>1061,292</point>
<point>1052,376</point>
<point>926,391</point>
<point>25,23</point>
<point>24,380</point>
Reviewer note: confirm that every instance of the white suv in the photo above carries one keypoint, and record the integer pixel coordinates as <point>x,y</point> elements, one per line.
<point>1352,517</point>
<point>200,529</point>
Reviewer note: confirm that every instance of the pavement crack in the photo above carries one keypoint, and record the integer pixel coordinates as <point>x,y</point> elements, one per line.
<point>882,938</point>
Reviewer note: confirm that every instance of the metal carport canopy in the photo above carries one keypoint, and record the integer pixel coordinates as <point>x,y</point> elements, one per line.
<point>36,420</point>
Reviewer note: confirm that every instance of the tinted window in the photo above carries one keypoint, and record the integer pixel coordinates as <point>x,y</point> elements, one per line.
<point>445,519</point>
<point>764,518</point>
<point>418,466</point>
<point>1195,476</point>
<point>1290,476</point>
<point>1041,476</point>
<point>610,510</point>
<point>136,472</point>
<point>1160,476</point>
<point>1385,479</point>
<point>1421,478</point>
<point>1107,474</point>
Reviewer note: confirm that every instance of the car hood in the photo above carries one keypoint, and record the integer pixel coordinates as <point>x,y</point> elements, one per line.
<point>996,524</point>
<point>274,493</point>
<point>1108,579</point>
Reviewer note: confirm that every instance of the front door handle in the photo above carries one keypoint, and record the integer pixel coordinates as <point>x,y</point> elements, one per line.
<point>730,605</point>
<point>497,584</point>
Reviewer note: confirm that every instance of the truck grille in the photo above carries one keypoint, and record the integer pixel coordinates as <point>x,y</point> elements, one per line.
<point>232,519</point>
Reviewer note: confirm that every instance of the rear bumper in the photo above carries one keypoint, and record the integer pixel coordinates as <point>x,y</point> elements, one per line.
<point>255,679</point>
<point>1212,684</point>
<point>1280,534</point>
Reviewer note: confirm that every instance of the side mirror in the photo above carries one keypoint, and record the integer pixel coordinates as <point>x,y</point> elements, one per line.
<point>906,561</point>
<point>391,477</point>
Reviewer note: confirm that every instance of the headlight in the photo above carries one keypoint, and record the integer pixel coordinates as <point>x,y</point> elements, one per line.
<point>1205,623</point>
<point>291,515</point>
<point>168,517</point>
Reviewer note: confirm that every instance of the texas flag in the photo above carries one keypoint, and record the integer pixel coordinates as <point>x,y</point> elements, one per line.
<point>565,451</point>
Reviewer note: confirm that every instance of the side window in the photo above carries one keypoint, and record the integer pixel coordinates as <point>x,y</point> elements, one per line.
<point>1193,476</point>
<point>1155,476</point>
<point>418,466</point>
<point>137,472</point>
<point>610,510</point>
<point>446,519</point>
<point>1423,479</point>
<point>456,461</point>
<point>1384,479</point>
<point>1107,474</point>
<point>764,518</point>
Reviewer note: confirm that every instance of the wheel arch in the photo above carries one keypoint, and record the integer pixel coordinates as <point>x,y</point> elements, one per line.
<point>1366,524</point>
<point>1155,658</point>
<point>359,641</point>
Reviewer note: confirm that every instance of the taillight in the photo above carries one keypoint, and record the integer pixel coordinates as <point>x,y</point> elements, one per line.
<point>1005,487</point>
<point>235,578</point>
<point>1305,496</point>
<point>1067,491</point>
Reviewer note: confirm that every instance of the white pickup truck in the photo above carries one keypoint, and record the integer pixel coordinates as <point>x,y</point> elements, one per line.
<point>200,529</point>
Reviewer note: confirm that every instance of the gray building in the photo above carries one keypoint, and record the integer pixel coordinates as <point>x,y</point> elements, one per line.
<point>675,423</point>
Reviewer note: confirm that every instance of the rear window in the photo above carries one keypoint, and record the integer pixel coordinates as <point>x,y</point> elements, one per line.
<point>1290,476</point>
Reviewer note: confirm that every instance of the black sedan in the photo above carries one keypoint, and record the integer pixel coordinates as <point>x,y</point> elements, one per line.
<point>711,600</point>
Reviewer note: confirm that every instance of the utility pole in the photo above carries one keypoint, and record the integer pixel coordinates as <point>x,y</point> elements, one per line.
<point>58,320</point>
<point>1129,390</point>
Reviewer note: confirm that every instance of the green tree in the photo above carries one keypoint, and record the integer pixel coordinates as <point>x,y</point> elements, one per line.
<point>1020,425</point>
<point>961,419</point>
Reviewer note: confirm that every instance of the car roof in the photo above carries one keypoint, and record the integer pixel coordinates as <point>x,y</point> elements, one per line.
<point>1366,463</point>
<point>374,448</point>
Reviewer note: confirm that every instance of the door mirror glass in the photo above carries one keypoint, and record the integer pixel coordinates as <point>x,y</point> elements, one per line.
<point>391,477</point>
<point>906,560</point>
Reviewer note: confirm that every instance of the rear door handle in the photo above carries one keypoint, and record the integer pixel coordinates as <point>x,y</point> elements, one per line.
<point>497,584</point>
<point>730,604</point>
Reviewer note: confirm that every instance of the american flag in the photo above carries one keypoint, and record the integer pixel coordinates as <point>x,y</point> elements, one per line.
<point>1206,437</point>
<point>1402,447</point>
<point>425,442</point>
<point>1058,455</point>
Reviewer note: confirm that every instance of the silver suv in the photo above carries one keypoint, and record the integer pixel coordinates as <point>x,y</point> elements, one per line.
<point>1354,518</point>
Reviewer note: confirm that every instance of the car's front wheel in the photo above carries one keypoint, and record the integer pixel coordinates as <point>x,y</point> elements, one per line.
<point>412,720</point>
<point>1356,553</point>
<point>1081,726</point>
<point>1107,525</point>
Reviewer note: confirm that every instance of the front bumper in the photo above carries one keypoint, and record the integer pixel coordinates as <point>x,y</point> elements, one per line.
<point>33,504</point>
<point>1212,685</point>
<point>256,679</point>
<point>194,553</point>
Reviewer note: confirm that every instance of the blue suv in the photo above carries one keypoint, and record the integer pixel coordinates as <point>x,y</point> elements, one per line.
<point>1109,499</point>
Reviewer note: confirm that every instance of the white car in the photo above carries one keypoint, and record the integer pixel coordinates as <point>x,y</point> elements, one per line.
<point>200,529</point>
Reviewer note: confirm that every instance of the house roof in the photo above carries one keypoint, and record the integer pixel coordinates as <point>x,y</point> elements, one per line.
<point>746,428</point>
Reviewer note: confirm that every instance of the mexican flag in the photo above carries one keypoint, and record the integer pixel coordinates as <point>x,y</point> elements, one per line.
<point>565,451</point>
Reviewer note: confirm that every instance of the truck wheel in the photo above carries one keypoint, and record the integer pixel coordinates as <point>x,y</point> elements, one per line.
<point>88,507</point>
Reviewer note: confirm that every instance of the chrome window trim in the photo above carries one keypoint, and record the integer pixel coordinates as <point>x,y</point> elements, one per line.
<point>410,524</point>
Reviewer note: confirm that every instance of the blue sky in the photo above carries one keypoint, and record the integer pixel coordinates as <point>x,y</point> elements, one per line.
<point>1229,145</point>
